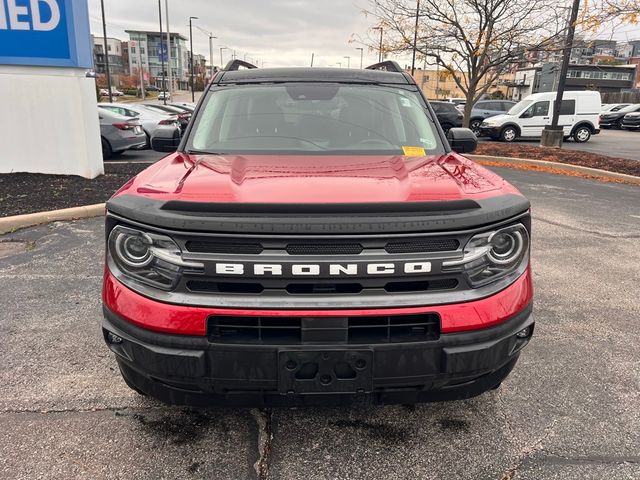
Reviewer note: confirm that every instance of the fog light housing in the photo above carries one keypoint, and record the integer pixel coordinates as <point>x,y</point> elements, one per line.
<point>524,333</point>
<point>114,339</point>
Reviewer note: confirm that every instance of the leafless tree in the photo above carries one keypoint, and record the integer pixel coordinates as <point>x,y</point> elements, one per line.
<point>473,41</point>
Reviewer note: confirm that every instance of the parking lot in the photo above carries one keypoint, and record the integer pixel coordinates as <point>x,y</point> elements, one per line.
<point>569,410</point>
<point>613,143</point>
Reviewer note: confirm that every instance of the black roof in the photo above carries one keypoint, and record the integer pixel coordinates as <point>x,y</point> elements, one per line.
<point>339,75</point>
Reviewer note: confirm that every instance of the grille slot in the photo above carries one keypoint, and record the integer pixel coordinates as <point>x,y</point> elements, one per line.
<point>224,287</point>
<point>331,330</point>
<point>445,284</point>
<point>205,246</point>
<point>423,245</point>
<point>324,249</point>
<point>320,288</point>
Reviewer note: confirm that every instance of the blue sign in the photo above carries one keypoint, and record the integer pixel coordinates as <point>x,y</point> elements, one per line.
<point>162,52</point>
<point>45,32</point>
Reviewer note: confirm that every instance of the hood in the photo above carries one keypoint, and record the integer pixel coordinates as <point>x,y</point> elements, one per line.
<point>499,118</point>
<point>315,179</point>
<point>633,115</point>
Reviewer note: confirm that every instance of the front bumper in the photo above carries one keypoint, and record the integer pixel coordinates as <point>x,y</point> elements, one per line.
<point>192,370</point>
<point>631,124</point>
<point>486,131</point>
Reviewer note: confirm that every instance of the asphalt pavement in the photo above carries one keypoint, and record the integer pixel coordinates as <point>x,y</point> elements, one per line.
<point>614,143</point>
<point>569,410</point>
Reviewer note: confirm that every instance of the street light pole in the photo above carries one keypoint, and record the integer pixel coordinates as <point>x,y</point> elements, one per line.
<point>361,55</point>
<point>161,52</point>
<point>169,70</point>
<point>552,135</point>
<point>193,91</point>
<point>380,49</point>
<point>415,39</point>
<point>221,61</point>
<point>106,52</point>
<point>348,61</point>
<point>211,37</point>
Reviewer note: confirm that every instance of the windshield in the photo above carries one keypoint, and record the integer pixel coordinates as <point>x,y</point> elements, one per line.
<point>314,118</point>
<point>519,107</point>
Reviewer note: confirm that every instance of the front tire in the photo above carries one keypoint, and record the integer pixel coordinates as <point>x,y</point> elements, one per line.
<point>508,134</point>
<point>582,134</point>
<point>474,125</point>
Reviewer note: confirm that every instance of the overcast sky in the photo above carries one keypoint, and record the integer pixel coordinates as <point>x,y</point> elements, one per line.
<point>277,32</point>
<point>282,32</point>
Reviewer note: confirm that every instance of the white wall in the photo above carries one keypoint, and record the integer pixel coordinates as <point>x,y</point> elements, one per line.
<point>49,121</point>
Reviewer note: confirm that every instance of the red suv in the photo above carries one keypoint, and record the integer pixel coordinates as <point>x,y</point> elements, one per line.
<point>314,239</point>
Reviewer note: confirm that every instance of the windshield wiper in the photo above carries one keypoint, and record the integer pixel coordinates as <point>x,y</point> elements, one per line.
<point>192,151</point>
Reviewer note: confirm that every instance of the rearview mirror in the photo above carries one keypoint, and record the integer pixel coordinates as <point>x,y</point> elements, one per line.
<point>166,139</point>
<point>462,140</point>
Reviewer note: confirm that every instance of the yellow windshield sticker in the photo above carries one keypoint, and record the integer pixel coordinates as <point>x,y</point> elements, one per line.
<point>414,151</point>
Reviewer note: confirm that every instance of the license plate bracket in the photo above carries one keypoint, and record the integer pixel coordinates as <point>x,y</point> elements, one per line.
<point>325,371</point>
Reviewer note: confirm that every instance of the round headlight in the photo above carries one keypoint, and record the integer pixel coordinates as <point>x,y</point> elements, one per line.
<point>134,249</point>
<point>506,247</point>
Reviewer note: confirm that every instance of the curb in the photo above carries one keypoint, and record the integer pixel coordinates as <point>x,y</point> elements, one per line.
<point>9,224</point>
<point>595,172</point>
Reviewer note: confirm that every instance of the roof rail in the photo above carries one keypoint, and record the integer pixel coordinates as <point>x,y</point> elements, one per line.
<point>236,64</point>
<point>388,65</point>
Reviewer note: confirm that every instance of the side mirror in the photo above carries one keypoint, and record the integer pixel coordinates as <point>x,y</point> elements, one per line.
<point>462,140</point>
<point>165,139</point>
<point>527,114</point>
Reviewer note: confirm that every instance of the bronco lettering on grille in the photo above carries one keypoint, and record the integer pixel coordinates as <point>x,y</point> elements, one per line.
<point>316,269</point>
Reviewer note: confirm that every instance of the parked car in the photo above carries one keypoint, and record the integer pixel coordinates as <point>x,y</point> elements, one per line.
<point>164,96</point>
<point>631,121</point>
<point>185,107</point>
<point>613,107</point>
<point>578,116</point>
<point>484,109</point>
<point>338,249</point>
<point>150,119</point>
<point>448,115</point>
<point>119,133</point>
<point>615,119</point>
<point>152,88</point>
<point>183,117</point>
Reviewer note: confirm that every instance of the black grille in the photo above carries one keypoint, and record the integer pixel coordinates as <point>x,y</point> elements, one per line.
<point>320,287</point>
<point>423,245</point>
<point>204,246</point>
<point>326,330</point>
<point>324,248</point>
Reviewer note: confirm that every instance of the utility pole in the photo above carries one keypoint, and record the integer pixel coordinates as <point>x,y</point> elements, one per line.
<point>193,91</point>
<point>361,55</point>
<point>415,39</point>
<point>106,52</point>
<point>161,51</point>
<point>552,135</point>
<point>348,61</point>
<point>169,70</point>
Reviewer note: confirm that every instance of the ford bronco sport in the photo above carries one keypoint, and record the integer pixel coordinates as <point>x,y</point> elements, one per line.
<point>316,238</point>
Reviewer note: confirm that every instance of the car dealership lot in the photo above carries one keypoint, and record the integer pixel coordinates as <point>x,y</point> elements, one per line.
<point>569,409</point>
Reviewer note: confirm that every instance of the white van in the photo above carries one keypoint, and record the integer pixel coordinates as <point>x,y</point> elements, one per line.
<point>578,115</point>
